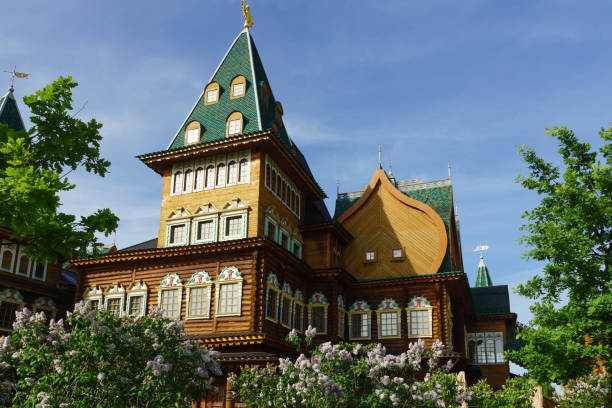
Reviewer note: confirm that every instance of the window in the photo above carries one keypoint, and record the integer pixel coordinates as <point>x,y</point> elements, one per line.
<point>272,297</point>
<point>7,313</point>
<point>297,322</point>
<point>114,306</point>
<point>273,184</point>
<point>397,254</point>
<point>114,298</point>
<point>198,181</point>
<point>370,256</point>
<point>177,234</point>
<point>388,316</point>
<point>341,317</point>
<point>7,256</point>
<point>232,172</point>
<point>198,295</point>
<point>268,175</point>
<point>23,264</point>
<point>188,181</point>
<point>39,271</point>
<point>176,182</point>
<point>419,314</point>
<point>229,292</point>
<point>284,191</point>
<point>234,124</point>
<point>170,295</point>
<point>279,185</point>
<point>284,240</point>
<point>297,249</point>
<point>95,296</point>
<point>170,303</point>
<point>317,312</point>
<point>220,175</point>
<point>285,305</point>
<point>212,93</point>
<point>487,348</point>
<point>270,230</point>
<point>233,226</point>
<point>137,298</point>
<point>359,320</point>
<point>243,171</point>
<point>205,230</point>
<point>192,133</point>
<point>282,187</point>
<point>210,176</point>
<point>238,86</point>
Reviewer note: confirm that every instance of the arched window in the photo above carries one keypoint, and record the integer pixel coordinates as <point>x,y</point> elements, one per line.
<point>284,192</point>
<point>210,176</point>
<point>243,171</point>
<point>192,133</point>
<point>211,93</point>
<point>220,174</point>
<point>273,184</point>
<point>278,185</point>
<point>234,124</point>
<point>7,260</point>
<point>232,172</point>
<point>177,181</point>
<point>292,201</point>
<point>198,181</point>
<point>188,181</point>
<point>268,175</point>
<point>23,264</point>
<point>238,87</point>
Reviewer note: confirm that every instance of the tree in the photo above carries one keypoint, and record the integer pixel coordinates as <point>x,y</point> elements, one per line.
<point>100,360</point>
<point>571,231</point>
<point>34,166</point>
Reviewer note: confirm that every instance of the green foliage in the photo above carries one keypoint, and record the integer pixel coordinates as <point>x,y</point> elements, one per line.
<point>33,173</point>
<point>517,392</point>
<point>100,360</point>
<point>571,231</point>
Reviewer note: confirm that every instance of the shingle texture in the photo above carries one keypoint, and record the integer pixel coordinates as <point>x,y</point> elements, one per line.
<point>490,300</point>
<point>9,112</point>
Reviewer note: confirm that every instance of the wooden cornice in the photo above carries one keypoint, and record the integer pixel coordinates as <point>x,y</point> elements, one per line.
<point>502,316</point>
<point>429,278</point>
<point>333,225</point>
<point>158,160</point>
<point>380,177</point>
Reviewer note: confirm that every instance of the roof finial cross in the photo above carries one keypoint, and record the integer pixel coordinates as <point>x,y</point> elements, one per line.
<point>246,13</point>
<point>15,74</point>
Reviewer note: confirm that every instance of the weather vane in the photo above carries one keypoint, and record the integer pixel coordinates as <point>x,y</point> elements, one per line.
<point>15,74</point>
<point>481,249</point>
<point>246,13</point>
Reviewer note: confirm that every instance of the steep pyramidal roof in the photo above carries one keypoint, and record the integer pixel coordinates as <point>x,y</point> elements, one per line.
<point>9,111</point>
<point>258,108</point>
<point>482,277</point>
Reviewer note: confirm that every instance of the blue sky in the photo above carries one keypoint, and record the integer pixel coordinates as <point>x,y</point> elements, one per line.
<point>433,82</point>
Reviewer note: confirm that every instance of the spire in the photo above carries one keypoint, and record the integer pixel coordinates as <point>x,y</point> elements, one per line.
<point>9,111</point>
<point>379,157</point>
<point>483,278</point>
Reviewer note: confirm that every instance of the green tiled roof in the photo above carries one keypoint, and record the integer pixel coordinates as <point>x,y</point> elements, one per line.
<point>9,112</point>
<point>482,277</point>
<point>490,300</point>
<point>438,195</point>
<point>242,58</point>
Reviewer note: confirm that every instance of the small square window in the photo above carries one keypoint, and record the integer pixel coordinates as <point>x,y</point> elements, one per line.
<point>238,90</point>
<point>397,254</point>
<point>205,230</point>
<point>370,256</point>
<point>211,96</point>
<point>135,305</point>
<point>233,226</point>
<point>193,136</point>
<point>234,127</point>
<point>177,234</point>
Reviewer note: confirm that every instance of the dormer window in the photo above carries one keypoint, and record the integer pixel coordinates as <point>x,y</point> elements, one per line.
<point>370,256</point>
<point>238,87</point>
<point>234,124</point>
<point>211,93</point>
<point>192,133</point>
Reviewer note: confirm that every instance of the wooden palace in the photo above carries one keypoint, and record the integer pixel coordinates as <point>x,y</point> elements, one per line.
<point>247,249</point>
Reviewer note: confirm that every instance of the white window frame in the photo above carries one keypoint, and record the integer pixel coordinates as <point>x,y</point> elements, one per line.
<point>20,254</point>
<point>225,216</point>
<point>229,275</point>
<point>267,222</point>
<point>389,305</point>
<point>247,172</point>
<point>171,282</point>
<point>211,185</point>
<point>33,270</point>
<point>115,292</point>
<point>95,294</point>
<point>173,190</point>
<point>215,220</point>
<point>199,280</point>
<point>190,133</point>
<point>169,226</point>
<point>318,299</point>
<point>271,166</point>
<point>413,306</point>
<point>229,182</point>
<point>298,300</point>
<point>235,86</point>
<point>360,308</point>
<point>285,294</point>
<point>214,92</point>
<point>272,285</point>
<point>195,172</point>
<point>188,188</point>
<point>136,289</point>
<point>231,124</point>
<point>12,248</point>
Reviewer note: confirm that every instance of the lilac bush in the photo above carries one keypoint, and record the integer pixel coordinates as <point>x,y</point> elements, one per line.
<point>98,359</point>
<point>353,375</point>
<point>592,391</point>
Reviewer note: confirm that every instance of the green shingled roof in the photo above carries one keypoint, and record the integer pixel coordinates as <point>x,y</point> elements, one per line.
<point>490,300</point>
<point>482,276</point>
<point>9,112</point>
<point>438,195</point>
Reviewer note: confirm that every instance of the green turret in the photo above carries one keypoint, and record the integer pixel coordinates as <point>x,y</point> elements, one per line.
<point>482,277</point>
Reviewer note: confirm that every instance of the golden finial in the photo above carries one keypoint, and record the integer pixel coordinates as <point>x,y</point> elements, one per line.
<point>246,13</point>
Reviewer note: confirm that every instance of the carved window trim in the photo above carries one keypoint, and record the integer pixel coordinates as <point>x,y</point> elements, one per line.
<point>115,292</point>
<point>199,280</point>
<point>95,294</point>
<point>318,300</point>
<point>229,276</point>
<point>136,289</point>
<point>171,282</point>
<point>419,305</point>
<point>360,308</point>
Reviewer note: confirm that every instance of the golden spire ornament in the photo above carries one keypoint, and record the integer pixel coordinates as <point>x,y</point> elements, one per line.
<point>246,13</point>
